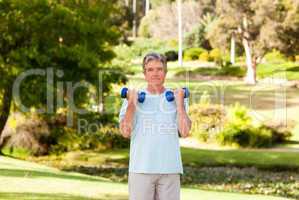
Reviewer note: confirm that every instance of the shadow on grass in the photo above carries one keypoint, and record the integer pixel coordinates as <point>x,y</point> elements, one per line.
<point>119,174</point>
<point>293,69</point>
<point>38,174</point>
<point>45,196</point>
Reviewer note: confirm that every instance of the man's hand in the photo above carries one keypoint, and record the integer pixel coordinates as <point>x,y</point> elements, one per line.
<point>132,97</point>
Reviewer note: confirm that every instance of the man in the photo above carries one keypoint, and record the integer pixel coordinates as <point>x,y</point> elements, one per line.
<point>153,126</point>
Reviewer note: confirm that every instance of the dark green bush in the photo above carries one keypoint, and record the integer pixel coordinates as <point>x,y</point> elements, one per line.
<point>171,55</point>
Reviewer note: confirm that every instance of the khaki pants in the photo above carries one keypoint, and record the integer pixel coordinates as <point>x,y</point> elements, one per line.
<point>154,186</point>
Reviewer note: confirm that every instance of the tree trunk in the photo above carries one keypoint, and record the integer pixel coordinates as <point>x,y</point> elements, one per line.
<point>5,109</point>
<point>147,6</point>
<point>134,9</point>
<point>250,77</point>
<point>232,49</point>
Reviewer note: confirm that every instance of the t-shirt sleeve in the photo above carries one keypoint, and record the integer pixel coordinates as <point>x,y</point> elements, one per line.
<point>123,110</point>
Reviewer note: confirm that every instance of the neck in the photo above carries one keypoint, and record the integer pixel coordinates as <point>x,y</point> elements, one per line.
<point>155,89</point>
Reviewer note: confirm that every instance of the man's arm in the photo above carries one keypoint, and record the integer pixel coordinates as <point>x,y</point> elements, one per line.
<point>184,122</point>
<point>126,123</point>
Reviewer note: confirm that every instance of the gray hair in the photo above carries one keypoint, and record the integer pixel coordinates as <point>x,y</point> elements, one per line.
<point>155,56</point>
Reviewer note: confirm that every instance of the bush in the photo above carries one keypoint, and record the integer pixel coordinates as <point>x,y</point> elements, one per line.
<point>95,131</point>
<point>245,136</point>
<point>215,71</point>
<point>142,46</point>
<point>275,57</point>
<point>240,131</point>
<point>204,56</point>
<point>215,55</point>
<point>229,70</point>
<point>193,53</point>
<point>171,55</point>
<point>207,119</point>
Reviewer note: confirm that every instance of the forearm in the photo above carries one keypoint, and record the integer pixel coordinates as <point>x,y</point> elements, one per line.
<point>184,122</point>
<point>126,124</point>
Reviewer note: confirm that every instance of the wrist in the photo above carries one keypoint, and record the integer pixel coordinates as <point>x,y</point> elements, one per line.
<point>180,109</point>
<point>131,105</point>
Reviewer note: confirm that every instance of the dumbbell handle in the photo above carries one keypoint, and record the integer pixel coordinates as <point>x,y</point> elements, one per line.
<point>124,93</point>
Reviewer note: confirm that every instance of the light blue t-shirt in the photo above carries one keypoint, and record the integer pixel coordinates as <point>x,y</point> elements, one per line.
<point>154,145</point>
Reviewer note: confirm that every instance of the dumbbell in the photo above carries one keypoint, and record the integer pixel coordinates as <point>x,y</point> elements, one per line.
<point>124,92</point>
<point>170,95</point>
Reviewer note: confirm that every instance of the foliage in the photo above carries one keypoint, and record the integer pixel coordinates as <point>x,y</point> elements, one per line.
<point>142,46</point>
<point>204,56</point>
<point>96,132</point>
<point>233,127</point>
<point>228,70</point>
<point>215,55</point>
<point>171,55</point>
<point>71,38</point>
<point>206,118</point>
<point>193,53</point>
<point>196,38</point>
<point>161,22</point>
<point>287,70</point>
<point>275,57</point>
<point>240,131</point>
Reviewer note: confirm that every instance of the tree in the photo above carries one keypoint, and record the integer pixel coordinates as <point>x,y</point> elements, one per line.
<point>74,37</point>
<point>255,24</point>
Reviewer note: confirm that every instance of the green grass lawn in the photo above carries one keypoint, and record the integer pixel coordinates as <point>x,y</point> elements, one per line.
<point>243,171</point>
<point>265,159</point>
<point>26,180</point>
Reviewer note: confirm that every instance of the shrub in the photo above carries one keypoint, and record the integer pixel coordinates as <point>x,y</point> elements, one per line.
<point>142,46</point>
<point>204,56</point>
<point>92,131</point>
<point>193,53</point>
<point>240,131</point>
<point>275,57</point>
<point>229,70</point>
<point>207,119</point>
<point>171,55</point>
<point>215,71</point>
<point>215,55</point>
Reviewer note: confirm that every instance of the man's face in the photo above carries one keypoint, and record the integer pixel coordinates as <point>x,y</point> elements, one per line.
<point>154,73</point>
